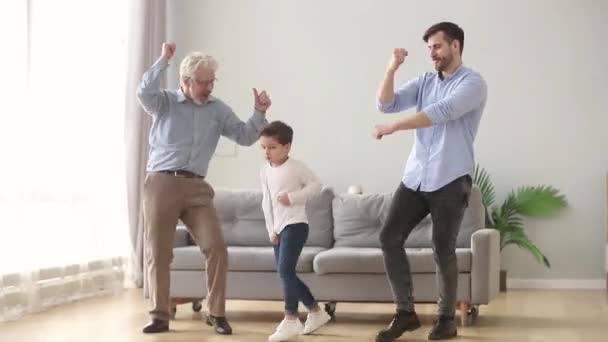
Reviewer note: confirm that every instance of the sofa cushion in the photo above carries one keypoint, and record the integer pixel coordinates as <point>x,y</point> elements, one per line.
<point>359,218</point>
<point>369,260</point>
<point>241,259</point>
<point>242,218</point>
<point>320,220</point>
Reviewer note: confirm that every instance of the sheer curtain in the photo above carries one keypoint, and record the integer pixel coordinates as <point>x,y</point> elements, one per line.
<point>63,214</point>
<point>147,31</point>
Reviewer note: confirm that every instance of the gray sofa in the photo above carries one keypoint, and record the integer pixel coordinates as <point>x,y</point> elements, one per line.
<point>341,260</point>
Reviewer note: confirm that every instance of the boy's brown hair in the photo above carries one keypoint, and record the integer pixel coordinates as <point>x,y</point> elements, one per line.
<point>278,130</point>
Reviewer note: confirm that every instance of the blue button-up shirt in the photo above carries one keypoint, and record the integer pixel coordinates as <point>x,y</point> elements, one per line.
<point>443,151</point>
<point>184,135</point>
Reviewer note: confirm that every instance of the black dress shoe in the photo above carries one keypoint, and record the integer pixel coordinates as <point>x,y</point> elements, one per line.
<point>402,321</point>
<point>443,329</point>
<point>156,326</point>
<point>220,324</point>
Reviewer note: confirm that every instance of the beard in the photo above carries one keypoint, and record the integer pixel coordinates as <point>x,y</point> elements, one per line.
<point>202,97</point>
<point>442,63</point>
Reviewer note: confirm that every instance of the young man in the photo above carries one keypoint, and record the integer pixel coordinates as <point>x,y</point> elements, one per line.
<point>437,179</point>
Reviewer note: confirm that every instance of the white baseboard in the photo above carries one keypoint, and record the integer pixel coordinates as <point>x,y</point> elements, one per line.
<point>555,284</point>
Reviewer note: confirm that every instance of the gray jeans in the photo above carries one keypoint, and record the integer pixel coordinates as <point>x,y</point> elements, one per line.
<point>446,206</point>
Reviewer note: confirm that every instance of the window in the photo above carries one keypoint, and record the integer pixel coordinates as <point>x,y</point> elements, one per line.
<point>62,175</point>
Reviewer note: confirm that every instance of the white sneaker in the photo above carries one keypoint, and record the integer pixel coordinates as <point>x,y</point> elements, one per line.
<point>314,321</point>
<point>287,330</point>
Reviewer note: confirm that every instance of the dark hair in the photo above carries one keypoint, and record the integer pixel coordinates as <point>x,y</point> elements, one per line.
<point>451,32</point>
<point>278,130</point>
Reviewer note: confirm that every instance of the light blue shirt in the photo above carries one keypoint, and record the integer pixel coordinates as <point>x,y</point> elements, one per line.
<point>184,135</point>
<point>443,151</point>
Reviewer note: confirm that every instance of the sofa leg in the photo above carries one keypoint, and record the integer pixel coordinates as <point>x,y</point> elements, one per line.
<point>464,314</point>
<point>175,301</point>
<point>173,310</point>
<point>330,308</point>
<point>197,305</point>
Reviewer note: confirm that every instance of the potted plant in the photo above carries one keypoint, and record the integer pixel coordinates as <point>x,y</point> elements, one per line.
<point>507,218</point>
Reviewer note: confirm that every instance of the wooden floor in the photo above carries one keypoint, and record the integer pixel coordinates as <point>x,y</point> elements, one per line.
<point>515,316</point>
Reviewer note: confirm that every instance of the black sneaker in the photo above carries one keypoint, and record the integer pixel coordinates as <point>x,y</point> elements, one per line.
<point>402,321</point>
<point>443,329</point>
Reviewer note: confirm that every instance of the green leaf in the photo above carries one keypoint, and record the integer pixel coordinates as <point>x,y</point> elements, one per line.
<point>532,201</point>
<point>506,217</point>
<point>521,240</point>
<point>481,178</point>
<point>538,201</point>
<point>506,221</point>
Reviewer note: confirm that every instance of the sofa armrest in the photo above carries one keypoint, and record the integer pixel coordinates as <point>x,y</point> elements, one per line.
<point>182,237</point>
<point>485,268</point>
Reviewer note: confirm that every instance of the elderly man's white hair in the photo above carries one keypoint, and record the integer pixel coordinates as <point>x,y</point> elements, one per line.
<point>193,61</point>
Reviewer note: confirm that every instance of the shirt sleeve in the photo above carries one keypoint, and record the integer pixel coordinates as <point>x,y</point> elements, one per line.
<point>467,95</point>
<point>311,185</point>
<point>406,96</point>
<point>153,99</point>
<point>243,133</point>
<point>266,203</point>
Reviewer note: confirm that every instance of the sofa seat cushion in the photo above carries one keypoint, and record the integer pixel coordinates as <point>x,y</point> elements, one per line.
<point>241,259</point>
<point>369,260</point>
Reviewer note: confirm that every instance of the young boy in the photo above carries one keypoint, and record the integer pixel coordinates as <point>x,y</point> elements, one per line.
<point>286,186</point>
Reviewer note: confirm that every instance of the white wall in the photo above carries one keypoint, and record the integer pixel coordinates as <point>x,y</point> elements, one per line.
<point>544,61</point>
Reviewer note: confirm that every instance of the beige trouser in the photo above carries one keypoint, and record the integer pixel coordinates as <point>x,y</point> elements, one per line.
<point>168,198</point>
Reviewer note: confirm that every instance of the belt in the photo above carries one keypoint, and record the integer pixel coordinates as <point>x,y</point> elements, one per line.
<point>181,173</point>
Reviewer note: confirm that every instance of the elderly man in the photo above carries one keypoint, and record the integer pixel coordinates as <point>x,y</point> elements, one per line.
<point>187,125</point>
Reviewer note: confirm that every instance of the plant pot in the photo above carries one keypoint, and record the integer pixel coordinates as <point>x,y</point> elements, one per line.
<point>502,281</point>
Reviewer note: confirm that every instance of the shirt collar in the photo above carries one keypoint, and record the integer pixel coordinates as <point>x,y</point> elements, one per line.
<point>181,97</point>
<point>456,72</point>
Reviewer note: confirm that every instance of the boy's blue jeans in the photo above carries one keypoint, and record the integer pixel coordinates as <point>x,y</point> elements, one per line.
<point>287,252</point>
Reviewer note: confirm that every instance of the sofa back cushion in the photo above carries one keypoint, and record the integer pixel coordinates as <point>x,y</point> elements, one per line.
<point>358,219</point>
<point>242,219</point>
<point>320,219</point>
